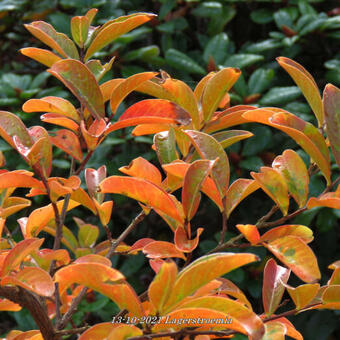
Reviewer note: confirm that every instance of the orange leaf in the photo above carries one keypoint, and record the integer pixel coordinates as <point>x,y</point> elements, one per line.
<point>52,104</point>
<point>100,331</point>
<point>14,179</point>
<point>274,185</point>
<point>127,86</point>
<point>31,278</point>
<point>151,111</point>
<point>183,243</point>
<point>104,211</point>
<point>274,278</point>
<point>67,141</point>
<point>216,88</point>
<point>141,168</point>
<point>57,41</point>
<point>143,191</point>
<point>203,270</point>
<point>304,133</point>
<point>42,56</point>
<point>122,332</point>
<point>227,138</point>
<point>304,294</point>
<point>296,255</point>
<point>162,249</point>
<point>149,129</point>
<point>11,205</point>
<point>82,83</point>
<point>294,171</point>
<point>9,306</point>
<point>301,231</point>
<point>17,254</point>
<point>237,192</point>
<point>115,28</point>
<point>162,285</point>
<point>81,196</point>
<point>44,257</point>
<point>93,134</point>
<point>250,232</point>
<point>57,119</point>
<point>307,85</point>
<point>274,331</point>
<point>227,118</point>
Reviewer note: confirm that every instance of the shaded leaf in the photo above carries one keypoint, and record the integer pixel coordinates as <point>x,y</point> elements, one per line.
<point>165,144</point>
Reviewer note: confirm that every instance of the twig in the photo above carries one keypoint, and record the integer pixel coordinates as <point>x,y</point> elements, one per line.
<point>73,330</point>
<point>224,223</point>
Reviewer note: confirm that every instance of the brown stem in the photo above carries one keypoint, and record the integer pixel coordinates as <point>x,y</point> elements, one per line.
<point>83,163</point>
<point>30,301</point>
<point>73,330</point>
<point>224,223</point>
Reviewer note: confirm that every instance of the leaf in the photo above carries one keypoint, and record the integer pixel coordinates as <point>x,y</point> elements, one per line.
<point>331,106</point>
<point>208,148</point>
<point>280,95</point>
<point>203,270</point>
<point>184,97</point>
<point>227,118</point>
<point>115,28</point>
<point>57,41</point>
<point>165,144</point>
<point>295,173</point>
<point>54,105</point>
<point>10,126</point>
<point>14,179</point>
<point>305,134</point>
<point>161,286</point>
<point>307,85</point>
<point>18,253</point>
<point>274,278</point>
<point>143,191</point>
<point>260,80</point>
<point>193,179</point>
<point>81,196</point>
<point>141,168</point>
<point>274,185</point>
<point>88,235</point>
<point>181,61</point>
<point>179,168</point>
<point>301,231</point>
<point>9,306</point>
<point>127,86</point>
<point>82,83</point>
<point>274,331</point>
<point>98,331</point>
<point>93,178</point>
<point>122,332</point>
<point>237,192</point>
<point>329,199</point>
<point>60,120</point>
<point>296,255</point>
<point>217,47</point>
<point>250,232</point>
<point>215,90</point>
<point>11,205</point>
<point>228,138</point>
<point>98,69</point>
<point>242,60</point>
<point>42,56</point>
<point>290,329</point>
<point>93,135</point>
<point>250,323</point>
<point>67,141</point>
<point>79,28</point>
<point>151,111</point>
<point>162,249</point>
<point>31,278</point>
<point>303,294</point>
<point>39,218</point>
<point>183,243</point>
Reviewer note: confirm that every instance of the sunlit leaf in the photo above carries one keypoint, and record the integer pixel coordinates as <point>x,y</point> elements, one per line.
<point>274,277</point>
<point>79,29</point>
<point>18,253</point>
<point>215,89</point>
<point>304,294</point>
<point>203,270</point>
<point>82,83</point>
<point>227,138</point>
<point>295,173</point>
<point>161,286</point>
<point>33,279</point>
<point>274,185</point>
<point>208,148</point>
<point>122,332</point>
<point>183,243</point>
<point>16,180</point>
<point>140,167</point>
<point>143,191</point>
<point>11,205</point>
<point>250,232</point>
<point>42,56</point>
<point>301,231</point>
<point>9,306</point>
<point>238,191</point>
<point>67,141</point>
<point>297,256</point>
<point>331,105</point>
<point>127,86</point>
<point>162,249</point>
<point>88,235</point>
<point>57,41</point>
<point>98,331</point>
<point>304,133</point>
<point>149,129</point>
<point>290,329</point>
<point>274,331</point>
<point>307,85</point>
<point>57,119</point>
<point>329,199</point>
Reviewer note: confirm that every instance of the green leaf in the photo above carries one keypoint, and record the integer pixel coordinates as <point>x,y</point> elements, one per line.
<point>243,60</point>
<point>282,18</point>
<point>262,138</point>
<point>260,80</point>
<point>264,46</point>
<point>208,9</point>
<point>88,235</point>
<point>280,95</point>
<point>217,48</point>
<point>262,16</point>
<point>181,61</point>
<point>165,143</point>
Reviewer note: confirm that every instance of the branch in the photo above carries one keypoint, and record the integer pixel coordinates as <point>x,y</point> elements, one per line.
<point>30,301</point>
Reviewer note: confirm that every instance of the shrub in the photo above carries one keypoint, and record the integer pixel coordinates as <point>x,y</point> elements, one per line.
<point>187,298</point>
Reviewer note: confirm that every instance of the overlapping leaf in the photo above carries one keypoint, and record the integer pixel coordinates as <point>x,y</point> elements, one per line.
<point>42,56</point>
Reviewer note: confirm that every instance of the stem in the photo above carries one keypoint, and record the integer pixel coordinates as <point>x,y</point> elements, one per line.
<point>83,163</point>
<point>224,223</point>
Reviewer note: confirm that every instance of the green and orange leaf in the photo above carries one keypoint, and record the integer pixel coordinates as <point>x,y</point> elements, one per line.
<point>304,294</point>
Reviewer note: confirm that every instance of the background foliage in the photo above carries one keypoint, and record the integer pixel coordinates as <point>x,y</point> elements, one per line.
<point>188,39</point>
